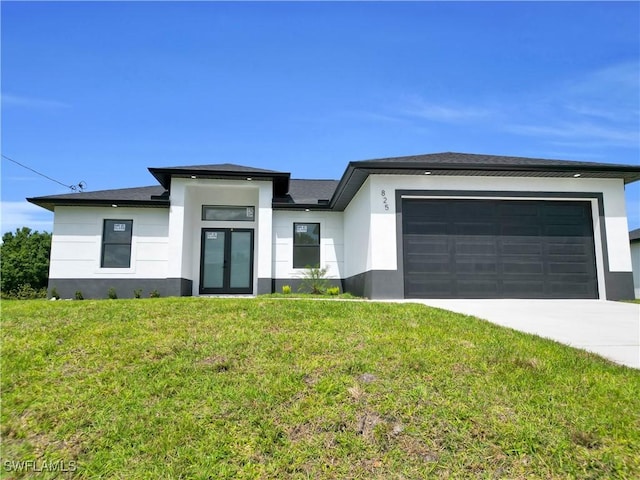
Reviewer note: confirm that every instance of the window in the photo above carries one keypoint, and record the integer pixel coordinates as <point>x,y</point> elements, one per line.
<point>228,214</point>
<point>116,244</point>
<point>306,245</point>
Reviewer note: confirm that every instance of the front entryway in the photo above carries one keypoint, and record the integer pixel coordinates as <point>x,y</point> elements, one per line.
<point>226,260</point>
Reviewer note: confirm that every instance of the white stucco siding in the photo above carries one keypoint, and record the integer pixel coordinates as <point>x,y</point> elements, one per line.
<point>357,232</point>
<point>383,226</point>
<point>187,199</point>
<point>332,248</point>
<point>635,261</point>
<point>76,245</point>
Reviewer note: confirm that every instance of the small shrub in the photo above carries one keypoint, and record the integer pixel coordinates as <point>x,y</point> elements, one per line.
<point>286,289</point>
<point>137,293</point>
<point>79,295</point>
<point>314,280</point>
<point>55,294</point>
<point>154,294</point>
<point>112,294</point>
<point>26,292</point>
<point>333,291</point>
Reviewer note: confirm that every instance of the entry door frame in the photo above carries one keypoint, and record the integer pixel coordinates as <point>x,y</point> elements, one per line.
<point>226,278</point>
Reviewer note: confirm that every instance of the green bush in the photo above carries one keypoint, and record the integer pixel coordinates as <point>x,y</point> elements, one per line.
<point>333,291</point>
<point>112,294</point>
<point>314,280</point>
<point>137,293</point>
<point>25,260</point>
<point>25,292</point>
<point>55,294</point>
<point>286,289</point>
<point>79,295</point>
<point>154,294</point>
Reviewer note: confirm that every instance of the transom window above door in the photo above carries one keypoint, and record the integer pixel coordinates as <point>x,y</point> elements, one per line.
<point>228,213</point>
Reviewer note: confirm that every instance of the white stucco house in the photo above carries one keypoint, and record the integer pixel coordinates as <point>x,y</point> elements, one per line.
<point>444,225</point>
<point>634,239</point>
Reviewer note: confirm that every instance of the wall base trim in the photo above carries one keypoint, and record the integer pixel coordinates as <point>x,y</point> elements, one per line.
<point>124,287</point>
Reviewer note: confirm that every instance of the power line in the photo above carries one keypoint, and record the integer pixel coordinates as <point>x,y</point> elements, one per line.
<point>80,186</point>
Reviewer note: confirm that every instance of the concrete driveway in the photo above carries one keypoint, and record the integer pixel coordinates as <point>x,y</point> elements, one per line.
<point>610,329</point>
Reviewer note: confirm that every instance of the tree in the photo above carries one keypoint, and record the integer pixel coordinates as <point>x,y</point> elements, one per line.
<point>24,258</point>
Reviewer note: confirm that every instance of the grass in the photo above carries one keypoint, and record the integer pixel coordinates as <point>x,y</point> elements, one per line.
<point>265,388</point>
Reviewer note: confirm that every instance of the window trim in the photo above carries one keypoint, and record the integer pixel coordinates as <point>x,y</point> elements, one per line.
<point>104,243</point>
<point>307,246</point>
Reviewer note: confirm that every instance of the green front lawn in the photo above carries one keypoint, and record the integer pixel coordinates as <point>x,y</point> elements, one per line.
<point>271,388</point>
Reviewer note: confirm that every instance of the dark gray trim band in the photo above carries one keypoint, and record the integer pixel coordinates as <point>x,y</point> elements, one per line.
<point>124,287</point>
<point>378,284</point>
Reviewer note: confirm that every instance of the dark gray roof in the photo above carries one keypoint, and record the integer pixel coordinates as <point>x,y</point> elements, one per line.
<point>473,159</point>
<point>334,194</point>
<point>450,163</point>
<point>222,171</point>
<point>311,191</point>
<point>153,196</point>
<point>634,235</point>
<point>219,167</point>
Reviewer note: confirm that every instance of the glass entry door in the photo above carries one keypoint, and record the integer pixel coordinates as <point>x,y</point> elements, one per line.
<point>226,260</point>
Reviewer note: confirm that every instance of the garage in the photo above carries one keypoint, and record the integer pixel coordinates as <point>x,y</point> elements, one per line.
<point>488,248</point>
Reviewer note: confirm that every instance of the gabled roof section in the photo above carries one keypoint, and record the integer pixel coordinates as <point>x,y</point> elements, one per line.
<point>222,171</point>
<point>154,196</point>
<point>450,163</point>
<point>307,194</point>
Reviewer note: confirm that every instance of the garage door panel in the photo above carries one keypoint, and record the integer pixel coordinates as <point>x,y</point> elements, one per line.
<point>498,249</point>
<point>475,246</point>
<point>427,228</point>
<point>478,288</point>
<point>481,266</point>
<point>576,248</point>
<point>523,230</point>
<point>521,267</point>
<point>518,288</point>
<point>474,228</point>
<point>439,287</point>
<point>429,263</point>
<point>521,246</point>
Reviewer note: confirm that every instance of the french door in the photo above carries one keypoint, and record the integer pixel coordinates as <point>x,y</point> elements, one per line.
<point>226,260</point>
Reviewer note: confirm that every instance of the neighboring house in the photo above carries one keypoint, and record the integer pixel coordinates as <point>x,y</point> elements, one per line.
<point>445,225</point>
<point>634,239</point>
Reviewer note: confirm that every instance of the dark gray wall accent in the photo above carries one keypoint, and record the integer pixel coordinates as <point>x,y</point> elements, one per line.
<point>379,284</point>
<point>99,287</point>
<point>264,286</point>
<point>295,284</point>
<point>619,285</point>
<point>613,285</point>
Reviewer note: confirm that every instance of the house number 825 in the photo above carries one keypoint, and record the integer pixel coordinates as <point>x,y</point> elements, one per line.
<point>385,202</point>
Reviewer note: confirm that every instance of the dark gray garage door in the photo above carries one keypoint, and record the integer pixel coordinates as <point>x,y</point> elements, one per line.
<point>498,249</point>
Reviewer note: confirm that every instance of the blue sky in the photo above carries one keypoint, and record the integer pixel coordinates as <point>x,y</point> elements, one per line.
<point>98,92</point>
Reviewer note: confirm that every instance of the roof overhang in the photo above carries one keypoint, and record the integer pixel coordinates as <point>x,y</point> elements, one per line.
<point>51,203</point>
<point>164,175</point>
<point>357,173</point>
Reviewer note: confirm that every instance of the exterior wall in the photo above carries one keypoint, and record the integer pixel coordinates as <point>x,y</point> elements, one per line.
<point>332,247</point>
<point>76,250</point>
<point>373,276</point>
<point>635,260</point>
<point>186,224</point>
<point>357,231</point>
<point>76,244</point>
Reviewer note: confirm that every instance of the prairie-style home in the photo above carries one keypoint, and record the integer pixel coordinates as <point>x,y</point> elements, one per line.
<point>443,225</point>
